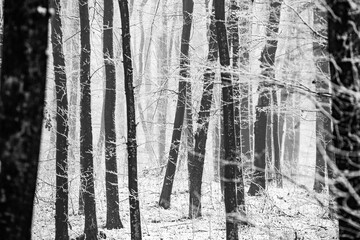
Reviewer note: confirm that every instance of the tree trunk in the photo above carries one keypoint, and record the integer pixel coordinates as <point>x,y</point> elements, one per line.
<point>230,169</point>
<point>323,122</point>
<point>276,141</point>
<point>62,127</point>
<point>262,110</point>
<point>111,177</point>
<point>22,92</point>
<point>188,6</point>
<point>86,145</point>
<point>344,48</point>
<point>135,222</point>
<point>197,156</point>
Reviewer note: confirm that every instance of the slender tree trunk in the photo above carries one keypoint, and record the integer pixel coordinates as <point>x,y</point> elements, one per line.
<point>188,6</point>
<point>323,122</point>
<point>196,158</point>
<point>86,145</point>
<point>262,110</point>
<point>135,222</point>
<point>230,169</point>
<point>235,47</point>
<point>22,92</point>
<point>62,127</point>
<point>276,140</point>
<point>112,191</point>
<point>344,48</point>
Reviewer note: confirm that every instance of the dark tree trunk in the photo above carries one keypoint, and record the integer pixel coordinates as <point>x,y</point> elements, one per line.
<point>344,48</point>
<point>188,6</point>
<point>112,192</point>
<point>262,110</point>
<point>235,47</point>
<point>323,122</point>
<point>86,145</point>
<point>197,156</point>
<point>62,127</point>
<point>230,168</point>
<point>22,92</point>
<point>135,222</point>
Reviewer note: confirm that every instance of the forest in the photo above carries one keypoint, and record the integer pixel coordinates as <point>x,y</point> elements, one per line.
<point>151,119</point>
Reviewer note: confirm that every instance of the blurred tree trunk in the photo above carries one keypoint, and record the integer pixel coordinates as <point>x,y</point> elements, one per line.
<point>135,222</point>
<point>230,168</point>
<point>62,127</point>
<point>111,177</point>
<point>262,110</point>
<point>188,6</point>
<point>344,47</point>
<point>86,146</point>
<point>323,122</point>
<point>22,92</point>
<point>197,155</point>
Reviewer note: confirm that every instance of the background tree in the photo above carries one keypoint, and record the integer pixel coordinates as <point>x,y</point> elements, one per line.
<point>22,90</point>
<point>188,6</point>
<point>62,127</point>
<point>112,190</point>
<point>86,146</point>
<point>197,155</point>
<point>262,110</point>
<point>135,222</point>
<point>344,43</point>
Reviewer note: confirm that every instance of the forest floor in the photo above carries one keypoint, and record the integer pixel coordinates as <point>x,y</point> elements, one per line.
<point>288,213</point>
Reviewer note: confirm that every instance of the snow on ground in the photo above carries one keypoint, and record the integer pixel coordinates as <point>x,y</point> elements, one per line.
<point>288,213</point>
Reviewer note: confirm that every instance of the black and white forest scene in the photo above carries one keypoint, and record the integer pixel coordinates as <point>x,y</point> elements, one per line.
<point>166,119</point>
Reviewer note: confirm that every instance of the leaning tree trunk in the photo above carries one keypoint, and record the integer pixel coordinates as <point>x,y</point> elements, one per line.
<point>111,177</point>
<point>230,168</point>
<point>86,145</point>
<point>188,6</point>
<point>323,122</point>
<point>131,124</point>
<point>344,48</point>
<point>262,110</point>
<point>22,92</point>
<point>197,156</point>
<point>62,127</point>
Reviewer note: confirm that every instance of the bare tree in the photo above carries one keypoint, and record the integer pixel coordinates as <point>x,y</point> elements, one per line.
<point>135,222</point>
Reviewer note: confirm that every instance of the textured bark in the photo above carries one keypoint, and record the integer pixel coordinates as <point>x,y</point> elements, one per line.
<point>22,90</point>
<point>188,6</point>
<point>111,177</point>
<point>344,46</point>
<point>62,127</point>
<point>230,168</point>
<point>323,122</point>
<point>135,222</point>
<point>262,110</point>
<point>86,145</point>
<point>197,156</point>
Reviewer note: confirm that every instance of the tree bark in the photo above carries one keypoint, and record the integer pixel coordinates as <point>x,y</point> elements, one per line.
<point>344,48</point>
<point>262,110</point>
<point>230,169</point>
<point>86,145</point>
<point>22,92</point>
<point>135,222</point>
<point>111,177</point>
<point>62,127</point>
<point>197,156</point>
<point>188,6</point>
